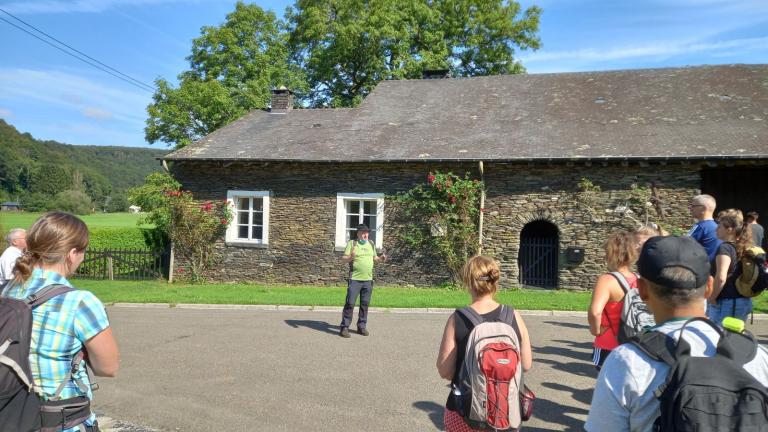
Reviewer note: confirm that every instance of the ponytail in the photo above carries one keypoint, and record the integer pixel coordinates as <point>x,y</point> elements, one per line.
<point>24,266</point>
<point>734,219</point>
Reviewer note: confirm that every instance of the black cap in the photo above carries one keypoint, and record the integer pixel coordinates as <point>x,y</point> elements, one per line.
<point>362,227</point>
<point>663,252</point>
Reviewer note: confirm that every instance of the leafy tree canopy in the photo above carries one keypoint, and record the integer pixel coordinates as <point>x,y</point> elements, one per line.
<point>332,53</point>
<point>233,67</point>
<point>348,47</point>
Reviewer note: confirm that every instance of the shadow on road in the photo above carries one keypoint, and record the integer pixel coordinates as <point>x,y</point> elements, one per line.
<point>434,411</point>
<point>567,324</point>
<point>583,396</point>
<point>552,412</point>
<point>580,352</point>
<point>320,326</point>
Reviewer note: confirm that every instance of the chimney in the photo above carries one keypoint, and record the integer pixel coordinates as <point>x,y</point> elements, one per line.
<point>282,100</point>
<point>436,73</point>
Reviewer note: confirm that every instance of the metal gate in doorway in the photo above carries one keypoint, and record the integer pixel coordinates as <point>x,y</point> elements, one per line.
<point>537,260</point>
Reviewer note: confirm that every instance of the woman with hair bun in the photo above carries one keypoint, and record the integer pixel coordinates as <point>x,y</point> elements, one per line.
<point>725,300</point>
<point>480,276</point>
<point>67,324</point>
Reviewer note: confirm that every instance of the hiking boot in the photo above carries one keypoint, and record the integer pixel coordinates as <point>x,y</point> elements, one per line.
<point>344,332</point>
<point>362,331</point>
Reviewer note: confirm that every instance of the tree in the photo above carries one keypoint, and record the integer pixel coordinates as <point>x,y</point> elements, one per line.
<point>73,201</point>
<point>152,197</point>
<point>233,67</point>
<point>347,47</point>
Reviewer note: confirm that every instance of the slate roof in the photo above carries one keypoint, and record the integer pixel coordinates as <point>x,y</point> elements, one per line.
<point>707,112</point>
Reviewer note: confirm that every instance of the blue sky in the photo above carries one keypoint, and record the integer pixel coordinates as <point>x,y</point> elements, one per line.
<point>53,96</point>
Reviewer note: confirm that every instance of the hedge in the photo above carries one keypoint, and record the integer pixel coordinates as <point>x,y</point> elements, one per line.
<point>118,238</point>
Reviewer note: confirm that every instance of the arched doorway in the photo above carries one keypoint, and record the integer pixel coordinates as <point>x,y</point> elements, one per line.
<point>537,261</point>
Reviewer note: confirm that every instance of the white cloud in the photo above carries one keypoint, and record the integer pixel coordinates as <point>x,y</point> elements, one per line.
<point>96,113</point>
<point>657,49</point>
<point>73,92</point>
<point>5,113</point>
<point>88,6</point>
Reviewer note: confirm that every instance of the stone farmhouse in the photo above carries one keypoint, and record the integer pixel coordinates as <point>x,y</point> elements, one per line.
<point>566,159</point>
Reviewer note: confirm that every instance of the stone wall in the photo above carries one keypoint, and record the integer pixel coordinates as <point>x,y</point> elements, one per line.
<point>303,211</point>
<point>303,219</point>
<point>519,194</point>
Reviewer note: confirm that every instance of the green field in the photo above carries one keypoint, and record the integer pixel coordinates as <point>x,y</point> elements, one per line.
<point>383,296</point>
<point>25,220</point>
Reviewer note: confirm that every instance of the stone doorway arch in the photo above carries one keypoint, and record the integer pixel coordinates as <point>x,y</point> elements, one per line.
<point>537,260</point>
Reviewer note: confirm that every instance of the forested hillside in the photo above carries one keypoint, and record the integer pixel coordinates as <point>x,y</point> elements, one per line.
<point>36,173</point>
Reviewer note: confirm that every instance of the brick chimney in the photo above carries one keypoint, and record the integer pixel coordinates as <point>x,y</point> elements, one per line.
<point>436,73</point>
<point>282,100</point>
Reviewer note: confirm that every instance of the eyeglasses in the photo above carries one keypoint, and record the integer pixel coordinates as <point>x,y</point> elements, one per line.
<point>695,205</point>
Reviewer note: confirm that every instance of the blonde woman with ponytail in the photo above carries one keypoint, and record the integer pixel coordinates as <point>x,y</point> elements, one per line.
<point>480,276</point>
<point>725,300</point>
<point>68,323</point>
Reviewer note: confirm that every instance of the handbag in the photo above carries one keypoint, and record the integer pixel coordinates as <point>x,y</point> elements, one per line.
<point>526,403</point>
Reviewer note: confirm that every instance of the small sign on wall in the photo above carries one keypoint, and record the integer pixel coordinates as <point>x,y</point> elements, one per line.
<point>574,254</point>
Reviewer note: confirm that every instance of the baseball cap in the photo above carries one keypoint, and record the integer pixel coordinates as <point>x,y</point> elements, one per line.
<point>362,227</point>
<point>660,253</point>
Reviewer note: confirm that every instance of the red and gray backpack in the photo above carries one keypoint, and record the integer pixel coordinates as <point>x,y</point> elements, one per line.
<point>21,409</point>
<point>488,394</point>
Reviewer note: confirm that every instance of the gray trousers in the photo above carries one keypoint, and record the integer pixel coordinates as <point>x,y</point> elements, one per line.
<point>355,288</point>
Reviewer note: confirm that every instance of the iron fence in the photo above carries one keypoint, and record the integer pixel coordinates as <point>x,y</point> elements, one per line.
<point>122,264</point>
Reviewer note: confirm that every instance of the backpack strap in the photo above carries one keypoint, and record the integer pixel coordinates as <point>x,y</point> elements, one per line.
<point>622,281</point>
<point>75,367</point>
<point>35,300</point>
<point>47,293</point>
<point>507,315</point>
<point>657,346</point>
<point>471,315</point>
<point>14,366</point>
<point>741,348</point>
<point>351,262</point>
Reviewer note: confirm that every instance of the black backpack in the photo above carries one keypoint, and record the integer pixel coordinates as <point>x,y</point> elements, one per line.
<point>21,409</point>
<point>707,393</point>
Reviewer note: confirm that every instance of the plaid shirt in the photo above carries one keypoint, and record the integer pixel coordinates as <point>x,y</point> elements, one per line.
<point>60,326</point>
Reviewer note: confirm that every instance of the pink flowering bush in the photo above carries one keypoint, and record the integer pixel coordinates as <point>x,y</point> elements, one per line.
<point>194,229</point>
<point>445,212</point>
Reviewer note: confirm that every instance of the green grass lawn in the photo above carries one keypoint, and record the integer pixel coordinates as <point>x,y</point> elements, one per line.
<point>162,292</point>
<point>384,296</point>
<point>10,220</point>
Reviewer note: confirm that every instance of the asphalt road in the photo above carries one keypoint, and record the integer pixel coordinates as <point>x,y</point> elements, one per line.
<point>255,370</point>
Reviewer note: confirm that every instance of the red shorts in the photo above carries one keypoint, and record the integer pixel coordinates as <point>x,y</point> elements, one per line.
<point>454,423</point>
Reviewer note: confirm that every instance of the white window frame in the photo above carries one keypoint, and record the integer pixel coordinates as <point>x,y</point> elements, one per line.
<point>232,229</point>
<point>341,216</point>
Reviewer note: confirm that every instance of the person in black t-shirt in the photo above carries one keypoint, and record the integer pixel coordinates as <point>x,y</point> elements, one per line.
<point>725,300</point>
<point>480,276</point>
<point>758,233</point>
